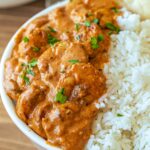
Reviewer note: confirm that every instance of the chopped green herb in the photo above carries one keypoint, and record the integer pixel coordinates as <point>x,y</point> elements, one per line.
<point>119,115</point>
<point>77,26</point>
<point>73,61</point>
<point>25,39</point>
<point>94,43</point>
<point>51,29</point>
<point>60,97</point>
<point>87,23</point>
<point>33,62</point>
<point>36,49</point>
<point>100,38</point>
<point>28,70</point>
<point>26,79</point>
<point>52,40</point>
<point>115,10</point>
<point>96,21</point>
<point>112,27</point>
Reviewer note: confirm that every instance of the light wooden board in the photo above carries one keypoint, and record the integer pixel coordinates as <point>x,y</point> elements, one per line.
<point>11,138</point>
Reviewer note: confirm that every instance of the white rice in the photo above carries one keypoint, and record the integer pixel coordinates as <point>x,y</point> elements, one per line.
<point>126,125</point>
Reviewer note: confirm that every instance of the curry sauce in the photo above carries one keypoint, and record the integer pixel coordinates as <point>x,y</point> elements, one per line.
<point>55,73</point>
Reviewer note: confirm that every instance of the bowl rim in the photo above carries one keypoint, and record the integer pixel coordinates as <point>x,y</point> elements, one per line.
<point>7,102</point>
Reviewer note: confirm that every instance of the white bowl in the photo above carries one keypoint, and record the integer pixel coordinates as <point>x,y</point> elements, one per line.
<point>8,103</point>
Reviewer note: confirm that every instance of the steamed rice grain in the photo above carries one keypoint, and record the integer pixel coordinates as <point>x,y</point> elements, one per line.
<point>126,125</point>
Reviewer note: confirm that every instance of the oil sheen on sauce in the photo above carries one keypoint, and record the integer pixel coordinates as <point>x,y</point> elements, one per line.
<point>55,73</point>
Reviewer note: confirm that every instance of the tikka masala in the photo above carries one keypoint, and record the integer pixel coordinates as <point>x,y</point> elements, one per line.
<point>55,73</point>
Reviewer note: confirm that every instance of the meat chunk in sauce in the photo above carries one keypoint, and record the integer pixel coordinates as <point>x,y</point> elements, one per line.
<point>29,99</point>
<point>74,118</point>
<point>80,82</point>
<point>55,74</point>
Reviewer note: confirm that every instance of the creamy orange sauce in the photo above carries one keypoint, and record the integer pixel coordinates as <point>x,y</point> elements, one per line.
<point>55,74</point>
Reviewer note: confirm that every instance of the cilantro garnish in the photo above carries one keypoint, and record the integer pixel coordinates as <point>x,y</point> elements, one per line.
<point>119,115</point>
<point>96,21</point>
<point>33,62</point>
<point>26,79</point>
<point>112,27</point>
<point>52,40</point>
<point>28,69</point>
<point>25,39</point>
<point>100,37</point>
<point>115,10</point>
<point>73,61</point>
<point>95,41</point>
<point>87,23</point>
<point>60,96</point>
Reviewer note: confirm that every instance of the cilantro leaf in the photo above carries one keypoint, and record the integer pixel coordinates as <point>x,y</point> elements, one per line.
<point>29,71</point>
<point>73,61</point>
<point>112,27</point>
<point>87,23</point>
<point>115,10</point>
<point>96,21</point>
<point>52,40</point>
<point>33,62</point>
<point>94,43</point>
<point>60,97</point>
<point>25,39</point>
<point>26,79</point>
<point>100,37</point>
<point>119,115</point>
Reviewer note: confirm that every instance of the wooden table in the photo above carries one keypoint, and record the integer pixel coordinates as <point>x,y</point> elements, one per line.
<point>10,20</point>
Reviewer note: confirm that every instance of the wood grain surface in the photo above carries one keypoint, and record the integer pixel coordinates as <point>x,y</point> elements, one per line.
<point>11,138</point>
